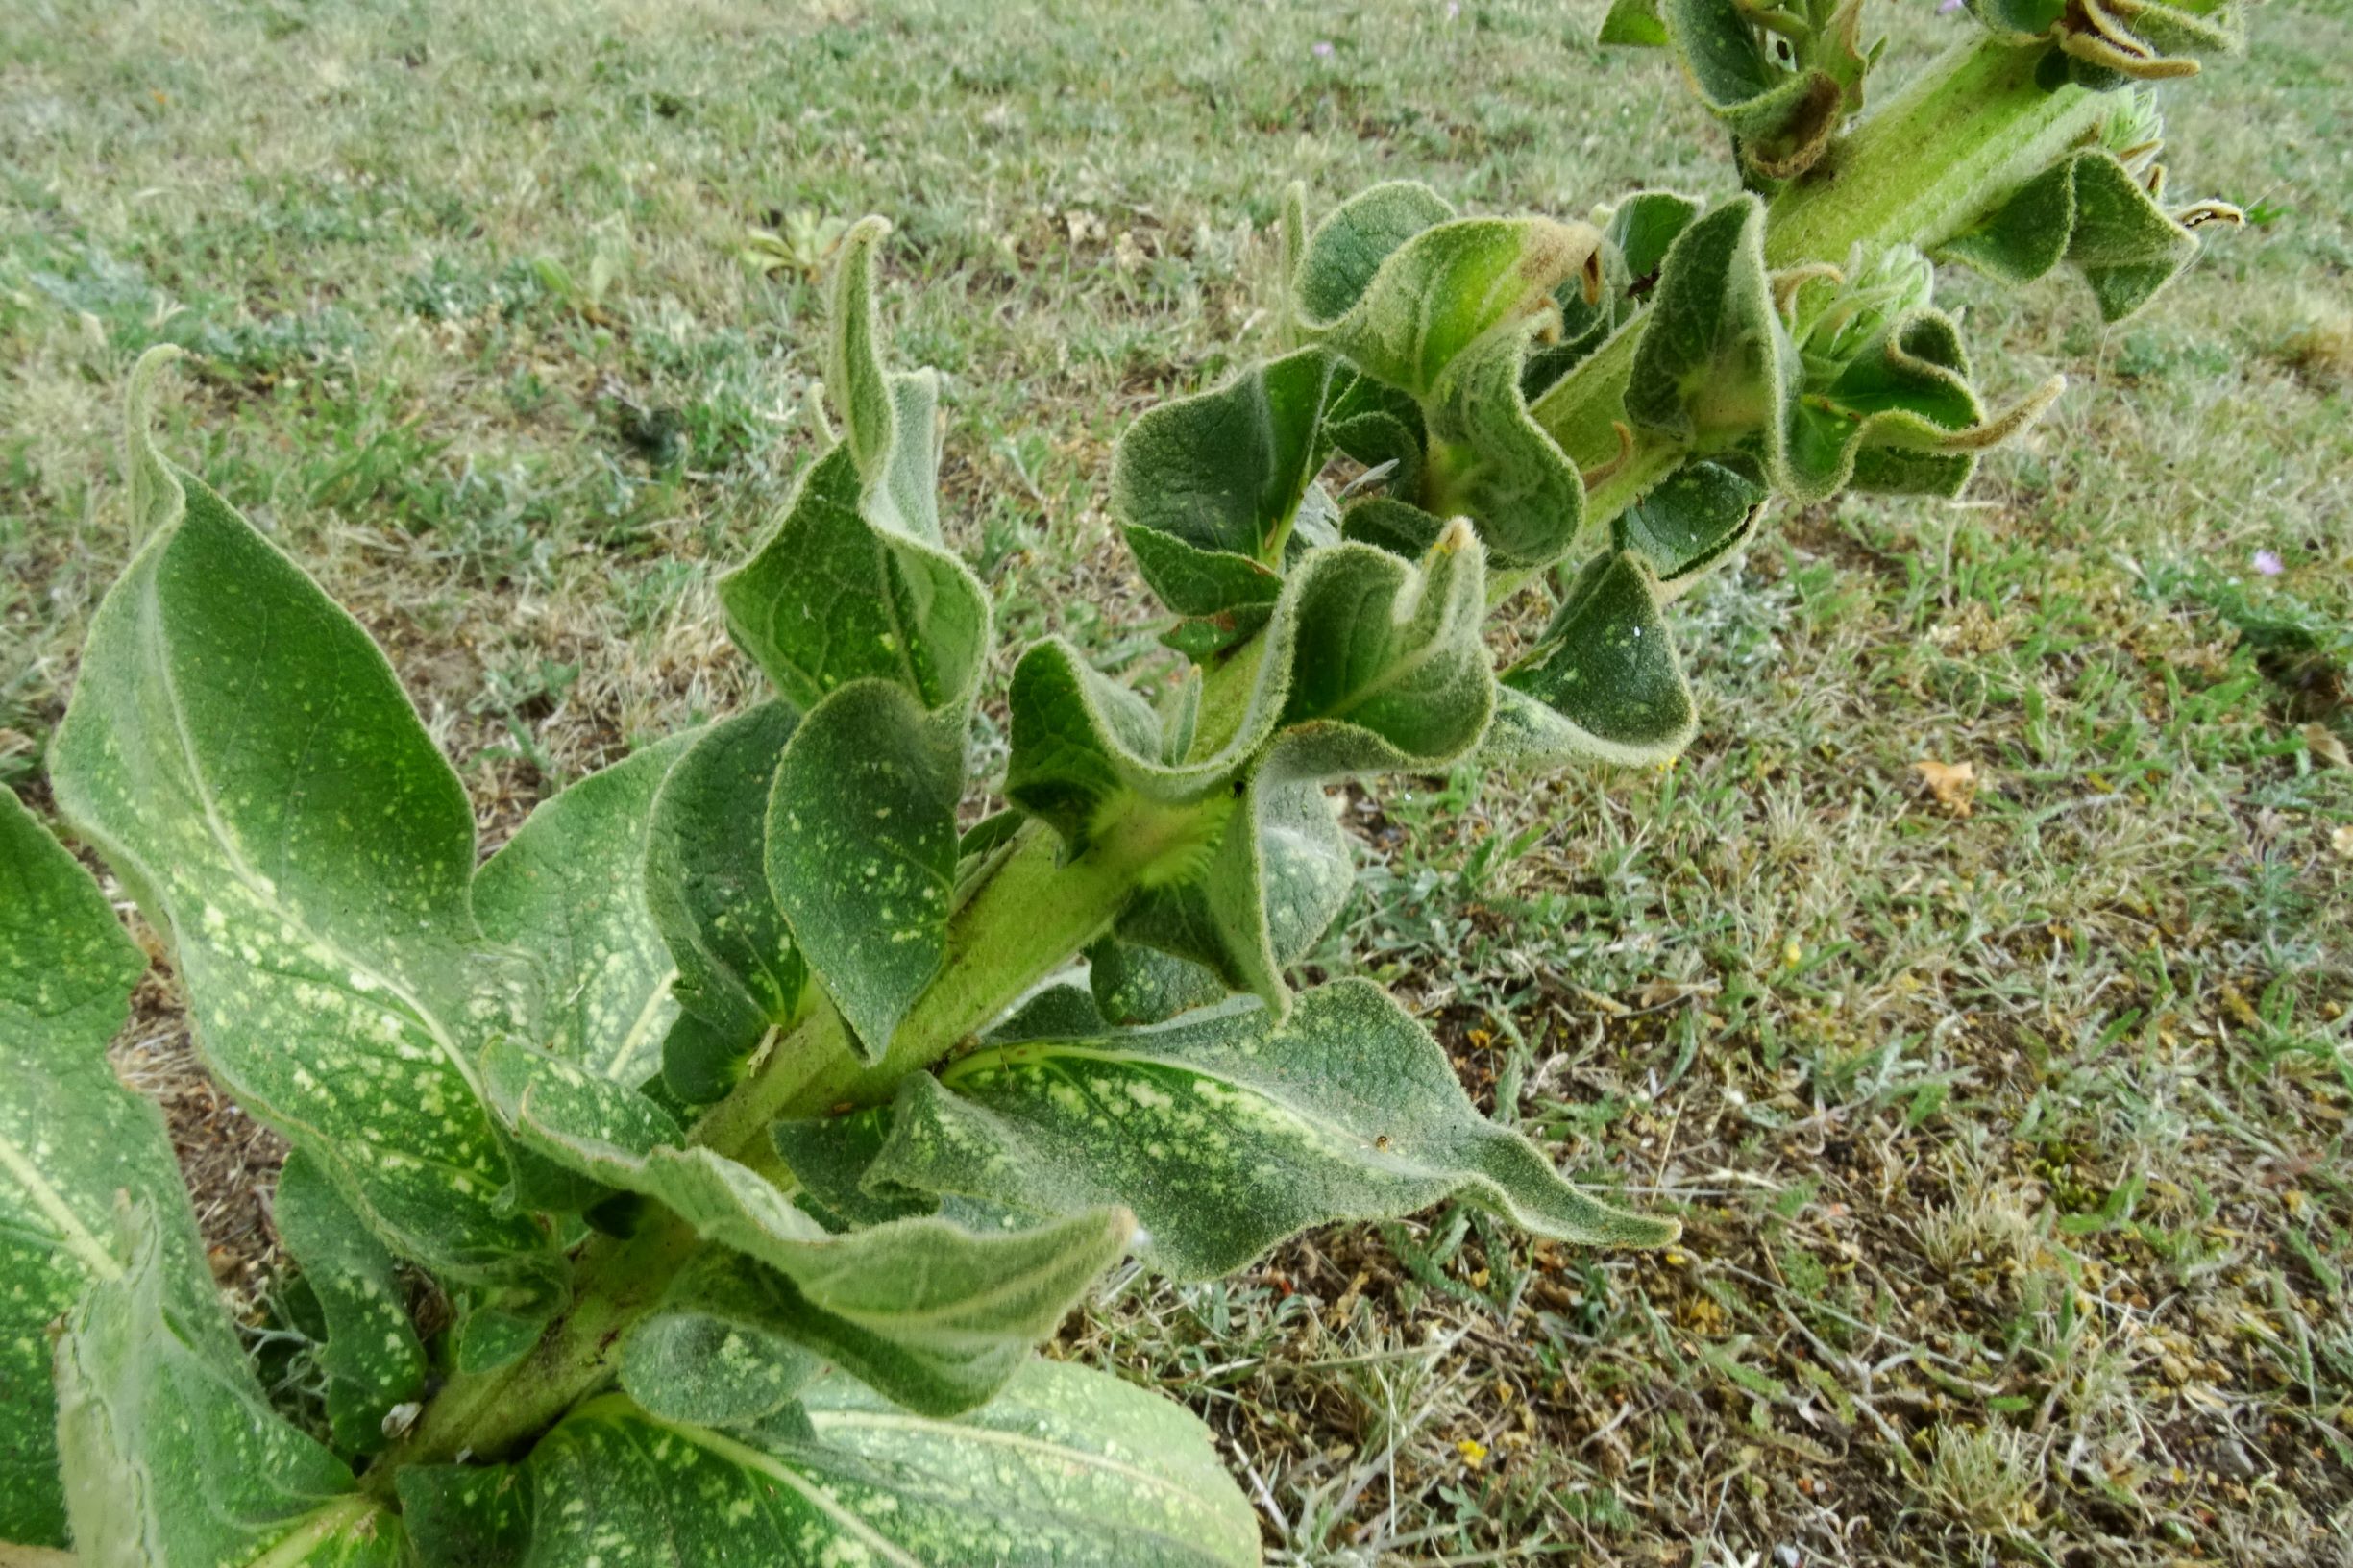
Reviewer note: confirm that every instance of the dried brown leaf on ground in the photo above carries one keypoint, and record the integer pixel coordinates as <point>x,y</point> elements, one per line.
<point>1952,785</point>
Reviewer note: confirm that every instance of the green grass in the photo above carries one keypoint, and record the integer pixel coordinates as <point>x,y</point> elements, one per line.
<point>2012,1145</point>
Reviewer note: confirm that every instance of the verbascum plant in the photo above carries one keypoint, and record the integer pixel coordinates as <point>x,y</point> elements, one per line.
<point>743,1106</point>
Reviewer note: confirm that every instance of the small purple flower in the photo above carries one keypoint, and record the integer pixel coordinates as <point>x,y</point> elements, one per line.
<point>1322,49</point>
<point>1454,8</point>
<point>1945,8</point>
<point>2268,563</point>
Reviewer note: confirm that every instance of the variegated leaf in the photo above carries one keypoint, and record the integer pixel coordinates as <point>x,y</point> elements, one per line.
<point>1691,522</point>
<point>1604,683</point>
<point>569,891</point>
<point>852,581</point>
<point>372,1358</point>
<point>707,890</point>
<point>1227,1129</point>
<point>1207,488</point>
<point>878,634</point>
<point>71,1139</point>
<point>465,1515</point>
<point>1134,984</point>
<point>862,849</point>
<point>1067,1468</point>
<point>239,750</point>
<point>708,1355</point>
<point>173,1459</point>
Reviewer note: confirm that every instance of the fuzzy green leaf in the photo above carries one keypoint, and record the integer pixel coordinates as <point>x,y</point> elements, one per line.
<point>71,1137</point>
<point>465,1515</point>
<point>1439,292</point>
<point>1200,583</point>
<point>1398,527</point>
<point>1782,113</point>
<point>1227,1129</point>
<point>1901,418</point>
<point>1374,665</point>
<point>372,1358</point>
<point>172,1456</point>
<point>1635,234</point>
<point>886,419</point>
<point>2088,211</point>
<point>498,1325</point>
<point>1381,428</point>
<point>1346,250</point>
<point>879,634</point>
<point>1134,984</point>
<point>707,1355</point>
<point>831,596</point>
<point>1912,379</point>
<point>1388,670</point>
<point>935,1315</point>
<point>1709,366</point>
<point>707,891</point>
<point>861,850</point>
<point>829,1157</point>
<point>1087,748</point>
<point>1495,464</point>
<point>239,750</point>
<point>1716,371</point>
<point>1067,1468</point>
<point>1634,23</point>
<point>1207,488</point>
<point>1640,230</point>
<point>1691,522</point>
<point>1274,879</point>
<point>1604,683</point>
<point>569,890</point>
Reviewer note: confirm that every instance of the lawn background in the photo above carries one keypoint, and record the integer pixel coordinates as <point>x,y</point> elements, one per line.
<point>2009,1125</point>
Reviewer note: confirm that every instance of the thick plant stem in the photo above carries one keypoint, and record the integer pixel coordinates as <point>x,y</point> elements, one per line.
<point>1029,917</point>
<point>486,1415</point>
<point>1976,122</point>
<point>1032,915</point>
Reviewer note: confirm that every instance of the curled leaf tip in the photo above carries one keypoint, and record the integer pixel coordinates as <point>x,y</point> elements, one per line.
<point>1608,469</point>
<point>2197,214</point>
<point>155,497</point>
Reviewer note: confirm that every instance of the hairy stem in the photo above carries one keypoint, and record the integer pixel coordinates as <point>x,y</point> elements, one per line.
<point>1974,122</point>
<point>486,1415</point>
<point>1033,912</point>
<point>1032,915</point>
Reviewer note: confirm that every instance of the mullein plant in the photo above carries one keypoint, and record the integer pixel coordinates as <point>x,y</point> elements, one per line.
<point>743,1107</point>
